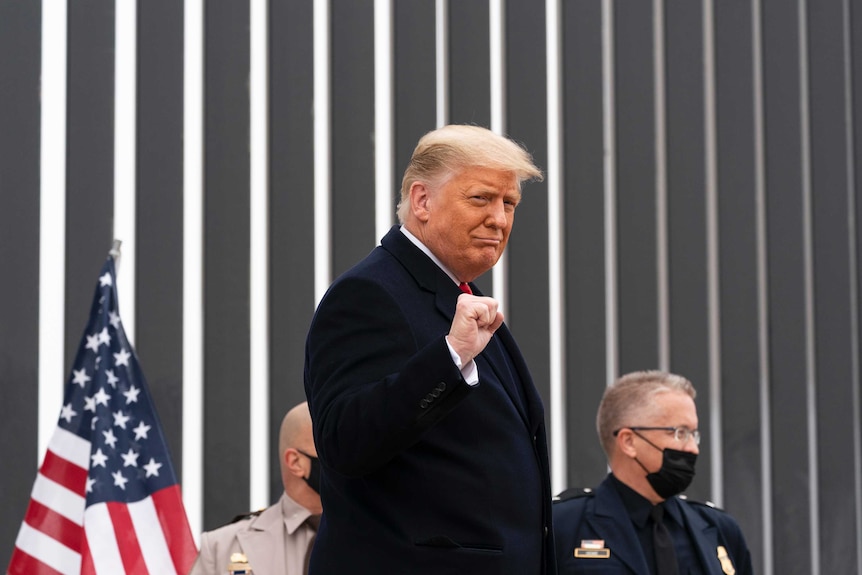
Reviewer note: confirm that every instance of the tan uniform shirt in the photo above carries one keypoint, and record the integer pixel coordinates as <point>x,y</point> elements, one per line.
<point>274,542</point>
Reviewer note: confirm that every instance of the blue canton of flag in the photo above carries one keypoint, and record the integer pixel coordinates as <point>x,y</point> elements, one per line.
<point>106,498</point>
<point>107,404</point>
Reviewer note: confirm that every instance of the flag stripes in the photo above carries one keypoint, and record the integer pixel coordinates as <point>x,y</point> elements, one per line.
<point>126,538</point>
<point>145,522</point>
<point>104,550</point>
<point>64,501</point>
<point>168,506</point>
<point>72,477</point>
<point>51,523</point>
<point>37,553</point>
<point>70,447</point>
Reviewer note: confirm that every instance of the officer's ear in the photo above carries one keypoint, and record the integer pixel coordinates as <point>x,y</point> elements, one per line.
<point>293,462</point>
<point>625,442</point>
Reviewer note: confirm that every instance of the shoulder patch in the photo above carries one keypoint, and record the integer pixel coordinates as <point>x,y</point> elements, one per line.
<point>248,515</point>
<point>573,493</point>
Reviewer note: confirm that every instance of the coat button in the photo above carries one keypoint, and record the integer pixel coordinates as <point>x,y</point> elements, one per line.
<point>441,386</point>
<point>423,404</point>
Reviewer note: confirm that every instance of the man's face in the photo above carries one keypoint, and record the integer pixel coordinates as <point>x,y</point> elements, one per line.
<point>672,409</point>
<point>467,221</point>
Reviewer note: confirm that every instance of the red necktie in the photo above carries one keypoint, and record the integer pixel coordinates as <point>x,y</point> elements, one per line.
<point>465,287</point>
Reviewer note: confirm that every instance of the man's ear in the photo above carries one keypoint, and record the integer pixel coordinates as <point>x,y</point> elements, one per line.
<point>293,463</point>
<point>625,442</point>
<point>419,196</point>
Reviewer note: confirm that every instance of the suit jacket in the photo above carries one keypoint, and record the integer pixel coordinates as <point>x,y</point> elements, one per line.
<point>261,538</point>
<point>601,515</point>
<point>421,473</point>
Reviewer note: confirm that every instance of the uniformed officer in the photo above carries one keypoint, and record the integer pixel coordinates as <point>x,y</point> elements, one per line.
<point>634,522</point>
<point>277,540</point>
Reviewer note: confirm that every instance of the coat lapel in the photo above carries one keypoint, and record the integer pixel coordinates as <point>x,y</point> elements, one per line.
<point>494,354</point>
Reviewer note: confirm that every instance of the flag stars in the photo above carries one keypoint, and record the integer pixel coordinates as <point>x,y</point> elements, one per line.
<point>90,483</point>
<point>114,319</point>
<point>104,336</point>
<point>68,413</point>
<point>110,438</point>
<point>152,468</point>
<point>132,394</point>
<point>101,397</point>
<point>80,376</point>
<point>105,280</point>
<point>130,458</point>
<point>122,358</point>
<point>119,480</point>
<point>99,458</point>
<point>112,379</point>
<point>89,404</point>
<point>120,419</point>
<point>141,431</point>
<point>93,342</point>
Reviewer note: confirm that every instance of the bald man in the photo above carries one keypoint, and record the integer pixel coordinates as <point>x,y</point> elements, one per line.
<point>277,540</point>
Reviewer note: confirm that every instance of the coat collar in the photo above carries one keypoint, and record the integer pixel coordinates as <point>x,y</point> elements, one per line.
<point>427,274</point>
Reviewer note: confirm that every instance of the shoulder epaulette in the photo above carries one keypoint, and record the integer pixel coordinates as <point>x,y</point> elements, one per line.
<point>573,493</point>
<point>709,504</point>
<point>248,515</point>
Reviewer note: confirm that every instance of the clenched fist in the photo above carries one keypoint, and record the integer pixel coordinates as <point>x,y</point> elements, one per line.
<point>476,319</point>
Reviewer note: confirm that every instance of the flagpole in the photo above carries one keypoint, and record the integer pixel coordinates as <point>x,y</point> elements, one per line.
<point>115,253</point>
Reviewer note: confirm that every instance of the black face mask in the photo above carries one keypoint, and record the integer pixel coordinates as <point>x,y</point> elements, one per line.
<point>675,474</point>
<point>313,478</point>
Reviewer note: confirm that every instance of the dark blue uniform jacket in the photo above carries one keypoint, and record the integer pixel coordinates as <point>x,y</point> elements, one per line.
<point>601,515</point>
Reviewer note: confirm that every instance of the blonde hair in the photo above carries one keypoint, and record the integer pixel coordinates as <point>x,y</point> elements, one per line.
<point>630,397</point>
<point>443,152</point>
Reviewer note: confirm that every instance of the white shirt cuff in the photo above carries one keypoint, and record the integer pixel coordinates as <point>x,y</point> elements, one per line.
<point>469,372</point>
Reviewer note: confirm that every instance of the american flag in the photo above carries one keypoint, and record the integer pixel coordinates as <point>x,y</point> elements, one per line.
<point>106,499</point>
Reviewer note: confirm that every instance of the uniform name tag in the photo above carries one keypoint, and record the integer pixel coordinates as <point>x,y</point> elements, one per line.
<point>592,549</point>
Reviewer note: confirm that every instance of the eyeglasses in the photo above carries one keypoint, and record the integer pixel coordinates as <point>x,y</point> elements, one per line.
<point>681,434</point>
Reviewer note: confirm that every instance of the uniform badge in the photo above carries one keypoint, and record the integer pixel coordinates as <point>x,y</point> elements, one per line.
<point>726,564</point>
<point>238,565</point>
<point>592,549</point>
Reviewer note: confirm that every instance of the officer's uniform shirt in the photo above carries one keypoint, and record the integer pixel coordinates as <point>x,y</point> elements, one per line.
<point>272,541</point>
<point>639,508</point>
